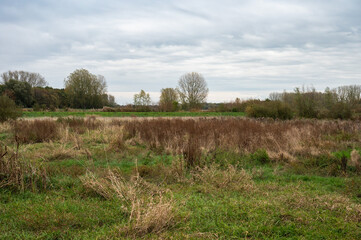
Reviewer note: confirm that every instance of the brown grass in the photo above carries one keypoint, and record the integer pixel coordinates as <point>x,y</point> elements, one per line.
<point>283,139</point>
<point>355,160</point>
<point>36,131</point>
<point>80,125</point>
<point>152,216</point>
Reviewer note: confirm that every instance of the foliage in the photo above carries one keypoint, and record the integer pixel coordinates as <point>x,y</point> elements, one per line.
<point>260,156</point>
<point>270,109</point>
<point>46,96</point>
<point>168,100</point>
<point>343,102</point>
<point>85,90</point>
<point>8,109</point>
<point>192,89</point>
<point>142,101</point>
<point>20,92</point>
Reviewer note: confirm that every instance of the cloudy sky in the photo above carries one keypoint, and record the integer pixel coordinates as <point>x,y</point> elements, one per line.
<point>243,48</point>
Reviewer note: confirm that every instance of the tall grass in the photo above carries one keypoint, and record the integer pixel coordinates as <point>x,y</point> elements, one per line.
<point>36,131</point>
<point>282,140</point>
<point>19,174</point>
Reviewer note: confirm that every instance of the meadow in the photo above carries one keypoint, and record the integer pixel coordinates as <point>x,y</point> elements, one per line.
<point>212,177</point>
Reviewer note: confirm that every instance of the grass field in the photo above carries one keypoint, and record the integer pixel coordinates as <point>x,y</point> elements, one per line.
<point>132,114</point>
<point>229,178</point>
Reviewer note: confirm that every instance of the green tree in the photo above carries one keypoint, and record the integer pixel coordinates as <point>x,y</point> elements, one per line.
<point>168,100</point>
<point>142,101</point>
<point>85,90</point>
<point>47,97</point>
<point>192,89</point>
<point>8,109</point>
<point>20,92</point>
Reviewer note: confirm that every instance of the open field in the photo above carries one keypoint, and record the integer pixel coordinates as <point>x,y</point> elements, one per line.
<point>201,178</point>
<point>132,114</point>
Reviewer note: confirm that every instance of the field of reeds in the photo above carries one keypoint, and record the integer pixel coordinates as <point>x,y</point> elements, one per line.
<point>180,178</point>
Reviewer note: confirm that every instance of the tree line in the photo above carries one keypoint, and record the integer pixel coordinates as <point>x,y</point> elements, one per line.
<point>84,90</point>
<point>343,102</point>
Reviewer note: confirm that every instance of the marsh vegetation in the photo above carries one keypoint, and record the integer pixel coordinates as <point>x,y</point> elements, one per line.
<point>191,178</point>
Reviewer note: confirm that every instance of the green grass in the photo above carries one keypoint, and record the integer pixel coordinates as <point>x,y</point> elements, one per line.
<point>133,114</point>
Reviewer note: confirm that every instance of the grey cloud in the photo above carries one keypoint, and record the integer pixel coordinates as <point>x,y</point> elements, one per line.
<point>237,45</point>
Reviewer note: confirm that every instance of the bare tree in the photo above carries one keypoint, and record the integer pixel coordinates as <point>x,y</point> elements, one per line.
<point>192,89</point>
<point>34,79</point>
<point>349,94</point>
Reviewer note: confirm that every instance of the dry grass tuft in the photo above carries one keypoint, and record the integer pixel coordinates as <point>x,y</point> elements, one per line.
<point>5,127</point>
<point>355,160</point>
<point>231,178</point>
<point>148,208</point>
<point>117,142</point>
<point>19,174</point>
<point>154,216</point>
<point>57,152</point>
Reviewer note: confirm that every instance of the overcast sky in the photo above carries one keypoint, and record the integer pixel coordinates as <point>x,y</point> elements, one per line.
<point>243,48</point>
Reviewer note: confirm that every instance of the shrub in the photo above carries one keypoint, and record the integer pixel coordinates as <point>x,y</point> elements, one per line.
<point>36,131</point>
<point>8,109</point>
<point>269,109</point>
<point>36,107</point>
<point>340,110</point>
<point>260,156</point>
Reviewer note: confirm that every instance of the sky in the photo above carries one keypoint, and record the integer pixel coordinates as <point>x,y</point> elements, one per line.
<point>244,49</point>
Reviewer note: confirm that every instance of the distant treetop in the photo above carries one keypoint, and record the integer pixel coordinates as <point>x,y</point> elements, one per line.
<point>34,79</point>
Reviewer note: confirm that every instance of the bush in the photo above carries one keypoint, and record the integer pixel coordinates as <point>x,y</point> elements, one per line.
<point>260,156</point>
<point>8,109</point>
<point>270,109</point>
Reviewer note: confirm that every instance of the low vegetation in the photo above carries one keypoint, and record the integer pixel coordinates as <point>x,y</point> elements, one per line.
<point>192,178</point>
